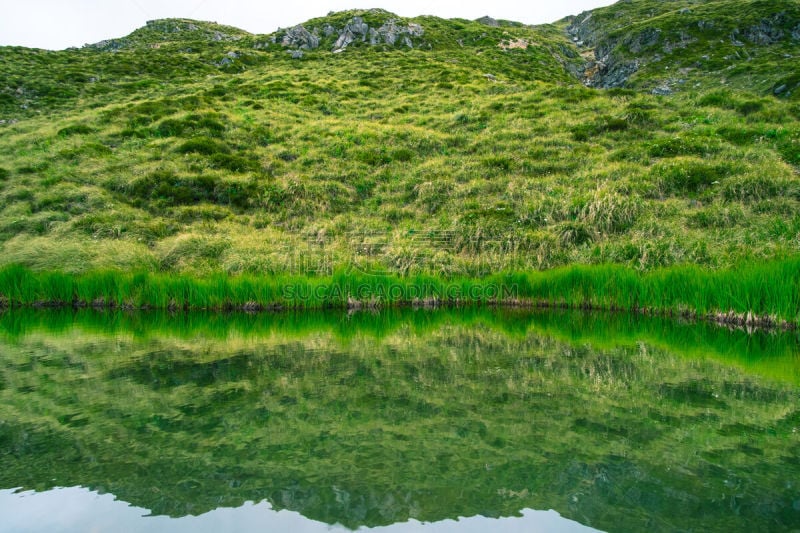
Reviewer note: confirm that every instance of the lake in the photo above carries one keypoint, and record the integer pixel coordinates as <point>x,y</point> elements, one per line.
<point>403,420</point>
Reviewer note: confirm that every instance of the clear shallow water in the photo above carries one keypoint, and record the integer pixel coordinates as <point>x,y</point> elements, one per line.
<point>404,420</point>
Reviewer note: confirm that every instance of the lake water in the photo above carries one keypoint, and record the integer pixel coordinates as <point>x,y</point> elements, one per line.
<point>398,421</point>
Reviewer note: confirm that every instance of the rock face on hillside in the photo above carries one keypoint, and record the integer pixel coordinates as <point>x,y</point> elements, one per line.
<point>617,47</point>
<point>603,68</point>
<point>300,38</point>
<point>156,32</point>
<point>392,32</point>
<point>488,21</point>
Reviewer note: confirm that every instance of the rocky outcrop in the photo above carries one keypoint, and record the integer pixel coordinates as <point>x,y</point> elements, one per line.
<point>109,45</point>
<point>605,68</point>
<point>393,32</point>
<point>489,21</point>
<point>228,60</point>
<point>355,30</point>
<point>768,31</point>
<point>300,38</point>
<point>614,49</point>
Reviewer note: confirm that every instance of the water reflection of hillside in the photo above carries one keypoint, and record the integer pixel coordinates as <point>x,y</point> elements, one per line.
<point>618,422</point>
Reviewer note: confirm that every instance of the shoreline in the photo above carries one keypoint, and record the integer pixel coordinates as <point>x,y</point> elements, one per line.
<point>762,295</point>
<point>747,321</point>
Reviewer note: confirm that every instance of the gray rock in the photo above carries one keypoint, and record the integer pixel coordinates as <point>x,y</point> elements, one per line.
<point>345,39</point>
<point>643,40</point>
<point>612,74</point>
<point>109,45</point>
<point>735,38</point>
<point>299,37</point>
<point>583,29</point>
<point>488,21</point>
<point>662,90</point>
<point>780,89</point>
<point>763,34</point>
<point>328,30</point>
<point>356,29</point>
<point>766,32</point>
<point>683,42</point>
<point>391,33</point>
<point>374,37</point>
<point>796,33</point>
<point>297,54</point>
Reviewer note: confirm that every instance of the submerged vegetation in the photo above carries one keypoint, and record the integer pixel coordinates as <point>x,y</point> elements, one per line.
<point>198,152</point>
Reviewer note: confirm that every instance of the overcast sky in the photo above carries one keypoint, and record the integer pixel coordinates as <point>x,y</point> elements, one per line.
<point>58,24</point>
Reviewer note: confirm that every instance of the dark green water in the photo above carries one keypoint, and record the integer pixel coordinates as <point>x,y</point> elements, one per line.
<point>405,417</point>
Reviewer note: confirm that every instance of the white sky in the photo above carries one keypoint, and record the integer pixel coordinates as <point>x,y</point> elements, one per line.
<point>58,24</point>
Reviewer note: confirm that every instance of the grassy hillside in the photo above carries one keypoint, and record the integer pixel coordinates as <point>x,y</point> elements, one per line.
<point>196,148</point>
<point>690,45</point>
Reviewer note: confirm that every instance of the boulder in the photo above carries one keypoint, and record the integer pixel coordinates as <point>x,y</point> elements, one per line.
<point>345,39</point>
<point>356,29</point>
<point>488,21</point>
<point>299,37</point>
<point>392,32</point>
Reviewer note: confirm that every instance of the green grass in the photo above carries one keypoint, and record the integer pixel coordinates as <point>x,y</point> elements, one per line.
<point>765,290</point>
<point>408,162</point>
<point>687,45</point>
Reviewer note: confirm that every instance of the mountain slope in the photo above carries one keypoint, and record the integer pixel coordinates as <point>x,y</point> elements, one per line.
<point>691,44</point>
<point>421,145</point>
